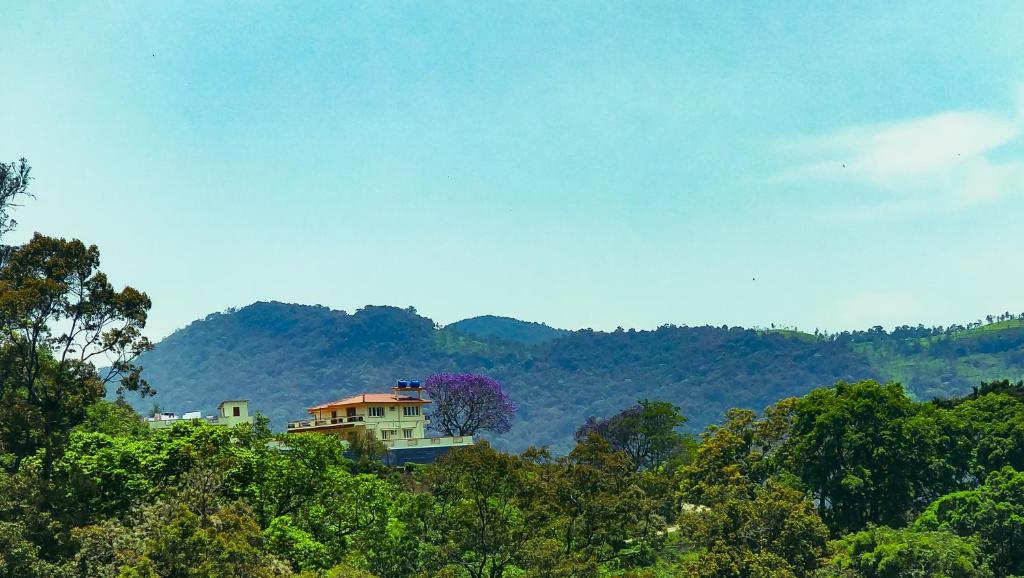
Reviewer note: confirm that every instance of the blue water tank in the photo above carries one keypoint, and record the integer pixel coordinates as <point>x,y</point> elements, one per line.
<point>414,383</point>
<point>403,383</point>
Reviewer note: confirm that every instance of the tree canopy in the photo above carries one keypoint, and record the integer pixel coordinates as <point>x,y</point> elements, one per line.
<point>465,404</point>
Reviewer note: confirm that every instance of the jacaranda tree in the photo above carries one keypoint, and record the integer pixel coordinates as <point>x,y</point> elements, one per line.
<point>467,403</point>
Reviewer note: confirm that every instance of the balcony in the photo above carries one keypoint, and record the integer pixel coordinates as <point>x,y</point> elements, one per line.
<point>324,424</point>
<point>400,443</point>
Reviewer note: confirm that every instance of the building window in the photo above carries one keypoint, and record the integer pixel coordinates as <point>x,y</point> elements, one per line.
<point>236,411</point>
<point>387,434</point>
<point>334,413</point>
<point>407,433</point>
<point>376,411</point>
<point>410,410</point>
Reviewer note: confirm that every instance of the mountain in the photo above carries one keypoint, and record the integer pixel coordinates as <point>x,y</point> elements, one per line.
<point>507,329</point>
<point>286,357</point>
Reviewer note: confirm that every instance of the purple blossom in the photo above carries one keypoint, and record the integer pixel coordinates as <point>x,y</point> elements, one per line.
<point>466,403</point>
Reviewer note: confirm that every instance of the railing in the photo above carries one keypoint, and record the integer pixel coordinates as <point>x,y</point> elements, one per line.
<point>307,423</point>
<point>169,421</point>
<point>377,424</point>
<point>312,423</point>
<point>451,441</point>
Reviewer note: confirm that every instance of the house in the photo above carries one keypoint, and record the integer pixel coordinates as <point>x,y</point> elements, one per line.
<point>396,419</point>
<point>232,412</point>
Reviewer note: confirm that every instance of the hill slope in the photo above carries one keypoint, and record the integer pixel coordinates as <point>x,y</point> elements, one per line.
<point>286,357</point>
<point>507,329</point>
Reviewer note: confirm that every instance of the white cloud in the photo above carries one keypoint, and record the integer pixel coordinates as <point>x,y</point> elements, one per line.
<point>947,160</point>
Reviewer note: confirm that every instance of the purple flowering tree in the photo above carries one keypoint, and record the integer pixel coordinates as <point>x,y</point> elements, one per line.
<point>467,403</point>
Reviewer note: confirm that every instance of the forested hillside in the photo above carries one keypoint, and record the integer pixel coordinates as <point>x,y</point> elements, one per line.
<point>286,357</point>
<point>507,329</point>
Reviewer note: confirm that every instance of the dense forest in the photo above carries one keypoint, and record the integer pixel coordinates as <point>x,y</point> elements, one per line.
<point>851,481</point>
<point>507,329</point>
<point>287,357</point>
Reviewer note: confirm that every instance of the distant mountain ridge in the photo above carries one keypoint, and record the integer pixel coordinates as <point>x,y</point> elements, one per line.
<point>286,357</point>
<point>507,329</point>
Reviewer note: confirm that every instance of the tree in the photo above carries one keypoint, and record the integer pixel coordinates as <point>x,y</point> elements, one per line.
<point>646,432</point>
<point>769,530</point>
<point>467,403</point>
<point>14,179</point>
<point>866,454</point>
<point>99,476</point>
<point>19,557</point>
<point>993,513</point>
<point>596,510</point>
<point>989,427</point>
<point>481,521</point>
<point>882,552</point>
<point>366,450</point>
<point>181,544</point>
<point>279,483</point>
<point>739,511</point>
<point>741,453</point>
<point>58,313</point>
<point>114,419</point>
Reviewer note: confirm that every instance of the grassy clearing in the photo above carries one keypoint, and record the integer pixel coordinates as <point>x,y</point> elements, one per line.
<point>1009,324</point>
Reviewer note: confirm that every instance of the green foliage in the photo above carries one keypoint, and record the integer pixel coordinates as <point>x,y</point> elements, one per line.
<point>103,476</point>
<point>114,419</point>
<point>992,513</point>
<point>278,482</point>
<point>58,313</point>
<point>990,429</point>
<point>507,329</point>
<point>366,450</point>
<point>186,544</point>
<point>600,510</point>
<point>866,454</point>
<point>739,514</point>
<point>735,454</point>
<point>881,552</point>
<point>764,530</point>
<point>646,432</point>
<point>19,557</point>
<point>480,518</point>
<point>289,541</point>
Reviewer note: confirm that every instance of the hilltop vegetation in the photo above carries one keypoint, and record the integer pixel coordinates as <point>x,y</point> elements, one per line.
<point>507,329</point>
<point>851,481</point>
<point>286,357</point>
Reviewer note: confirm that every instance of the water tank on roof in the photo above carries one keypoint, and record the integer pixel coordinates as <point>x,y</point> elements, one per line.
<point>403,383</point>
<point>414,383</point>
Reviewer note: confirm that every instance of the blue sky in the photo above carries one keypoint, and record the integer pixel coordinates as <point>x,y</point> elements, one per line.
<point>584,164</point>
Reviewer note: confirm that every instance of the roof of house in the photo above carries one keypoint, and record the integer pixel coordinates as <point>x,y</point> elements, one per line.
<point>371,398</point>
<point>221,404</point>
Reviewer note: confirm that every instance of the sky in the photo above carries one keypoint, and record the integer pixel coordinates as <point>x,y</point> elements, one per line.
<point>584,164</point>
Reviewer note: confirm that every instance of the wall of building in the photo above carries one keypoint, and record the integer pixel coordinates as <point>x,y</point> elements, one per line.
<point>394,419</point>
<point>227,413</point>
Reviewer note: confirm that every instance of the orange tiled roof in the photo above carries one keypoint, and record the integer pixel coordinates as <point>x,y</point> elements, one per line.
<point>370,398</point>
